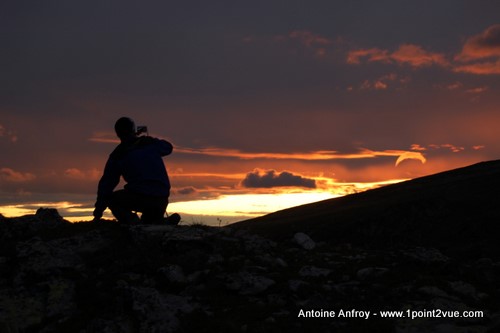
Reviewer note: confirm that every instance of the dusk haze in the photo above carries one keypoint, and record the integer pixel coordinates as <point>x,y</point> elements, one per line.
<point>268,104</point>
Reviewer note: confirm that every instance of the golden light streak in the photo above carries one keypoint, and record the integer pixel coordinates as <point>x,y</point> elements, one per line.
<point>237,176</point>
<point>70,211</point>
<point>104,137</point>
<point>314,155</point>
<point>250,205</point>
<point>15,210</point>
<point>256,204</point>
<point>319,155</point>
<point>233,203</point>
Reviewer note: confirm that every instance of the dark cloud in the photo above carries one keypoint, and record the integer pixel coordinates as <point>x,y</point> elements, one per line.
<point>481,53</point>
<point>480,68</point>
<point>7,134</point>
<point>271,178</point>
<point>189,190</point>
<point>9,175</point>
<point>484,45</point>
<point>413,55</point>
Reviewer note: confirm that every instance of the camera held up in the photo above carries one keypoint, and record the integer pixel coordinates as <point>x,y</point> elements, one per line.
<point>142,130</point>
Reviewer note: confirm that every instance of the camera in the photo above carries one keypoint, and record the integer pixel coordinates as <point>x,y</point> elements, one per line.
<point>141,130</point>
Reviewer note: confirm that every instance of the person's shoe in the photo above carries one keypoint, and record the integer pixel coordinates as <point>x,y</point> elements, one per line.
<point>173,219</point>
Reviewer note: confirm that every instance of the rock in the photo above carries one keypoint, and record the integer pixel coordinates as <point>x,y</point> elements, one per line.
<point>21,309</point>
<point>257,244</point>
<point>465,289</point>
<point>484,263</point>
<point>312,271</point>
<point>248,284</point>
<point>49,216</point>
<point>173,274</point>
<point>371,272</point>
<point>28,226</point>
<point>159,312</point>
<point>348,287</point>
<point>60,298</point>
<point>280,262</point>
<point>426,254</point>
<point>45,258</point>
<point>433,291</point>
<point>295,285</point>
<point>215,259</point>
<point>269,260</point>
<point>117,325</point>
<point>304,241</point>
<point>86,278</point>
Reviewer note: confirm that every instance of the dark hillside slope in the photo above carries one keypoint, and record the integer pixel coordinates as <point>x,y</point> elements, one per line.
<point>456,211</point>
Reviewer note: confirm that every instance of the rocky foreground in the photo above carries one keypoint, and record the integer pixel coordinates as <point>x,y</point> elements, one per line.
<point>62,277</point>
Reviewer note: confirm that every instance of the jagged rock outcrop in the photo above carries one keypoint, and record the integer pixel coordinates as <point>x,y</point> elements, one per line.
<point>84,277</point>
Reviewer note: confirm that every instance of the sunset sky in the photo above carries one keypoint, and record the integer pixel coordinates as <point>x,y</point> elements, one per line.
<point>269,104</point>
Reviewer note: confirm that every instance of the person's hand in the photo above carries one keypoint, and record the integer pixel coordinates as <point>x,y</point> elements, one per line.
<point>100,207</point>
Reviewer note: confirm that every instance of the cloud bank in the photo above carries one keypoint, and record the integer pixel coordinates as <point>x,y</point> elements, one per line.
<point>480,55</point>
<point>272,178</point>
<point>410,54</point>
<point>10,175</point>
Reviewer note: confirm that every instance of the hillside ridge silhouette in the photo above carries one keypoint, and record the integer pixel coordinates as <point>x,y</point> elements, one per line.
<point>456,211</point>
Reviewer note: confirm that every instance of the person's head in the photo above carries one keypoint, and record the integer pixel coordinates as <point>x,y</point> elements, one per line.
<point>125,128</point>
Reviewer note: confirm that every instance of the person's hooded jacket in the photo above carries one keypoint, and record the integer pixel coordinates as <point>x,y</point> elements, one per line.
<point>139,161</point>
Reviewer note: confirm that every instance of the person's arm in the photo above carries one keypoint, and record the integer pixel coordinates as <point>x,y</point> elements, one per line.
<point>108,182</point>
<point>164,147</point>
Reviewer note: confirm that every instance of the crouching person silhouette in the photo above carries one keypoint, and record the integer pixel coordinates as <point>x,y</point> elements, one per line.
<point>138,159</point>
